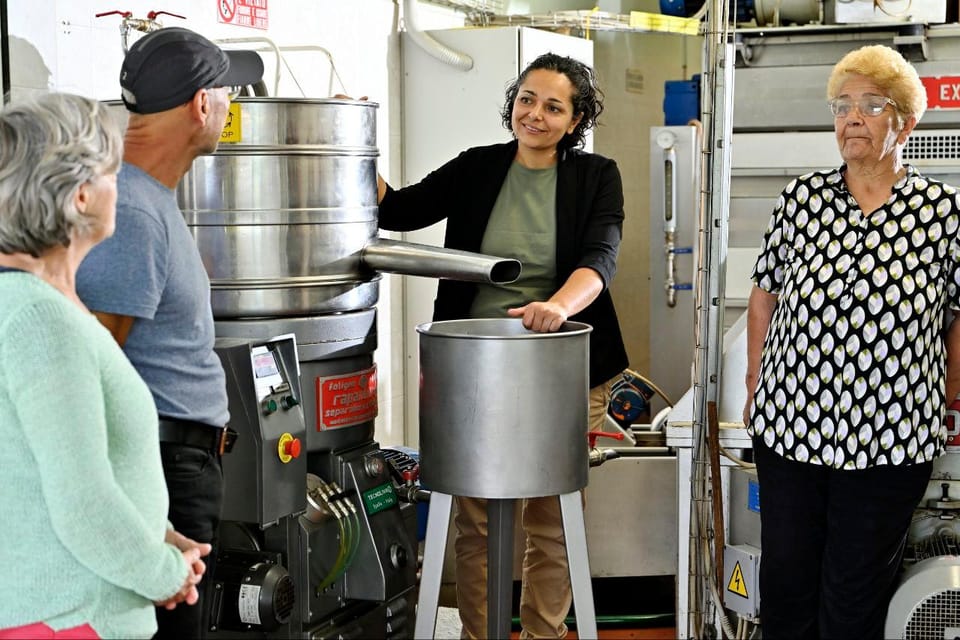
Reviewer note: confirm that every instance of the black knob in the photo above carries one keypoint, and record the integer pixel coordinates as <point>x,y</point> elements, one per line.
<point>288,402</point>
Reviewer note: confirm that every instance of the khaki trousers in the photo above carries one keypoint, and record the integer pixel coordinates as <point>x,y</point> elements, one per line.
<point>545,595</point>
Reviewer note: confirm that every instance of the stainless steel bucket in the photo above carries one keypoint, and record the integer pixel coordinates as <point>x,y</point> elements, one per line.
<point>503,410</point>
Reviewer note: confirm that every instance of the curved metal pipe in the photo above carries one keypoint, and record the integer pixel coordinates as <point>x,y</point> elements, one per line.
<point>413,259</point>
<point>431,45</point>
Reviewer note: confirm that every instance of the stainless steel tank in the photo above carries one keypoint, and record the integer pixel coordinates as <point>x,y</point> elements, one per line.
<point>285,218</point>
<point>503,410</point>
<point>285,214</point>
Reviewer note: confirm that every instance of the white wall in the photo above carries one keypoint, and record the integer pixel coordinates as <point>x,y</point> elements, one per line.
<point>60,45</point>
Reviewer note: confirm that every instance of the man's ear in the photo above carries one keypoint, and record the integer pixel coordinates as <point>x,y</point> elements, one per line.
<point>199,105</point>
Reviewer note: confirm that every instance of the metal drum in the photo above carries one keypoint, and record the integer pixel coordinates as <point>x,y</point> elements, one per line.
<point>281,214</point>
<point>503,410</point>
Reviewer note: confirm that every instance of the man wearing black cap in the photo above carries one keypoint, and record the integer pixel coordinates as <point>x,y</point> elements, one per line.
<point>147,283</point>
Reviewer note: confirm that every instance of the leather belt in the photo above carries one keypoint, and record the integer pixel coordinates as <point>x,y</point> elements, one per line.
<point>217,440</point>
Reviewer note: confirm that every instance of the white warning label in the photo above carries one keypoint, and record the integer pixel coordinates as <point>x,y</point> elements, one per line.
<point>249,604</point>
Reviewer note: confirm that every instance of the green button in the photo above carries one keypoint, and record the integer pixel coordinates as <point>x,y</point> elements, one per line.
<point>270,405</point>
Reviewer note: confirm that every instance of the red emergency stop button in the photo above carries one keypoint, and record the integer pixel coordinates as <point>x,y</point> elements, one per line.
<point>288,448</point>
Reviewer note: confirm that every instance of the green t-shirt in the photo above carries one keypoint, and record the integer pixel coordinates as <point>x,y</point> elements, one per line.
<point>523,225</point>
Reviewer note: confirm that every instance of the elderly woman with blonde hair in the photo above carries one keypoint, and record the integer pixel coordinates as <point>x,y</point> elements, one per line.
<point>86,544</point>
<point>850,363</point>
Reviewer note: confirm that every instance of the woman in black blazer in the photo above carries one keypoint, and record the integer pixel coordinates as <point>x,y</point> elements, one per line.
<point>559,211</point>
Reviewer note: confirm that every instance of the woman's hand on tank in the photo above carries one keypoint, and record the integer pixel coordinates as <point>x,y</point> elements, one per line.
<point>343,96</point>
<point>544,317</point>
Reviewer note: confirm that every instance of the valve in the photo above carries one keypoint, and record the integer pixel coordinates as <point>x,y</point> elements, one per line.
<point>129,23</point>
<point>152,15</point>
<point>593,435</point>
<point>596,456</point>
<point>409,491</point>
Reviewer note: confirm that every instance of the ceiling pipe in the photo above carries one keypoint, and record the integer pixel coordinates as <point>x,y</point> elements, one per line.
<point>431,45</point>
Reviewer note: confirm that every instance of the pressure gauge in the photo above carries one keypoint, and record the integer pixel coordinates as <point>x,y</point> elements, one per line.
<point>666,139</point>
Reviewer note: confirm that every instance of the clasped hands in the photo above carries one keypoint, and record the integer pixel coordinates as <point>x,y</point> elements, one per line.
<point>192,552</point>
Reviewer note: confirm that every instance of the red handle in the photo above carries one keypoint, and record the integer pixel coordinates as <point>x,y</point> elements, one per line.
<point>593,435</point>
<point>152,15</point>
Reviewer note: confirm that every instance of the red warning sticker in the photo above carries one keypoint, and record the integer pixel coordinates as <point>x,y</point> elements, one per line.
<point>346,400</point>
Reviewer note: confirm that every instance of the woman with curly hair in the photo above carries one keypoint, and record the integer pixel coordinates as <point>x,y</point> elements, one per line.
<point>558,210</point>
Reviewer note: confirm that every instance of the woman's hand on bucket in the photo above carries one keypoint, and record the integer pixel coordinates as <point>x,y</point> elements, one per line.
<point>544,317</point>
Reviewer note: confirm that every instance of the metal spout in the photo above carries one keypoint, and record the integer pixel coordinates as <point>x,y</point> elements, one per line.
<point>413,259</point>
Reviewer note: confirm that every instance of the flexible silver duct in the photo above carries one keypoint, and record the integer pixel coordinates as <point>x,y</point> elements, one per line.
<point>431,45</point>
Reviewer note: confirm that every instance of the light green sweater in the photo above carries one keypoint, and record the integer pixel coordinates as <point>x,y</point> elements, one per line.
<point>82,493</point>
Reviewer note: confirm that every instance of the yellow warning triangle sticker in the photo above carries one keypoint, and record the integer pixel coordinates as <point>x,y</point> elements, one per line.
<point>736,583</point>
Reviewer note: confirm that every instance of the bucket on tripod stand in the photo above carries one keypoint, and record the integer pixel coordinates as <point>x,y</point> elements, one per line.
<point>503,410</point>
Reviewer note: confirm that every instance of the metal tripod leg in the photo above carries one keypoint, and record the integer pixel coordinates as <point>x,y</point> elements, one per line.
<point>438,522</point>
<point>499,567</point>
<point>574,532</point>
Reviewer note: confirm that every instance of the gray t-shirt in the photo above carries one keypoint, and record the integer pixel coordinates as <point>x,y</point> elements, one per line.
<point>523,225</point>
<point>151,270</point>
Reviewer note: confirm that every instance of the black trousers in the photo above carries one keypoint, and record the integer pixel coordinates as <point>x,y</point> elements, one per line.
<point>195,483</point>
<point>832,544</point>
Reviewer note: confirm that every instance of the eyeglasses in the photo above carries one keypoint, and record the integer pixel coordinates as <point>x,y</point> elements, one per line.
<point>232,91</point>
<point>871,106</point>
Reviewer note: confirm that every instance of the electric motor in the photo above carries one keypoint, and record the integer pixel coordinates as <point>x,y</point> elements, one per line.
<point>252,592</point>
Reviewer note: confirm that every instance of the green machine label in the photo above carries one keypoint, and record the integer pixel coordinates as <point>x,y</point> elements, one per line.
<point>379,498</point>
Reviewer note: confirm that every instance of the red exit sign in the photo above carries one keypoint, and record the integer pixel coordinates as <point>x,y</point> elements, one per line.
<point>943,92</point>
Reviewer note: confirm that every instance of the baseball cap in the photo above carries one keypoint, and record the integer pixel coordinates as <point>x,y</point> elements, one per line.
<point>165,68</point>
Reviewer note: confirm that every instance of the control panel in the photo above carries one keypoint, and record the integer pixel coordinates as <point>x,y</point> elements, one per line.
<point>264,474</point>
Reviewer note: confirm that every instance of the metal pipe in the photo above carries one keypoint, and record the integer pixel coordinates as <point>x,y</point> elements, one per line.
<point>430,44</point>
<point>413,259</point>
<point>276,50</point>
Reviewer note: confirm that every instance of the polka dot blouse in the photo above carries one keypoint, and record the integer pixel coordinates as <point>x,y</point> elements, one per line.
<point>853,367</point>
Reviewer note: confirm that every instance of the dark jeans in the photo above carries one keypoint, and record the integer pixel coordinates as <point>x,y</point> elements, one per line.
<point>832,544</point>
<point>195,484</point>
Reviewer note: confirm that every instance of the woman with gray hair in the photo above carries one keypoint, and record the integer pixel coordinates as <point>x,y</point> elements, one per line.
<point>83,496</point>
<point>849,366</point>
